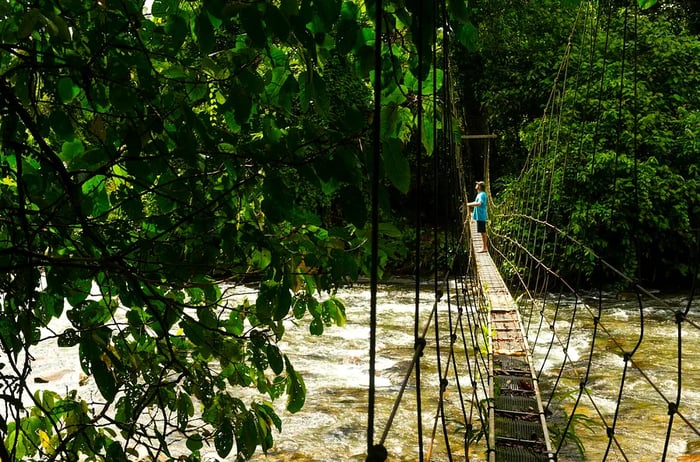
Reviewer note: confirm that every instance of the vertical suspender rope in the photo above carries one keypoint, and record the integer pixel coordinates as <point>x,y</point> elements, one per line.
<point>418,340</point>
<point>437,150</point>
<point>375,453</point>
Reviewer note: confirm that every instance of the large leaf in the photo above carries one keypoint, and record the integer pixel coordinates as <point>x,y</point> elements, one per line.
<point>296,389</point>
<point>95,196</point>
<point>71,149</point>
<point>67,89</point>
<point>205,32</point>
<point>458,10</point>
<point>223,438</point>
<point>95,360</point>
<point>396,166</point>
<point>467,35</point>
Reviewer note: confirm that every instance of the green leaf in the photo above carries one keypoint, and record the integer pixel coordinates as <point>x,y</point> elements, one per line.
<point>264,304</point>
<point>122,98</point>
<point>223,438</point>
<point>176,27</point>
<point>89,313</point>
<point>335,311</point>
<point>67,90</point>
<point>235,323</point>
<point>296,389</point>
<point>247,436</point>
<point>428,136</point>
<point>58,27</point>
<point>93,356</point>
<point>278,198</point>
<point>328,12</point>
<point>115,453</point>
<point>50,305</point>
<point>277,23</point>
<point>313,92</point>
<point>389,230</point>
<point>458,9</point>
<point>61,124</point>
<point>205,33</point>
<point>95,196</point>
<point>68,338</point>
<point>396,165</point>
<point>71,149</point>
<point>28,22</point>
<point>283,303</point>
<point>251,21</point>
<point>288,93</point>
<point>194,442</point>
<point>196,333</point>
<point>353,206</point>
<point>91,159</point>
<point>274,358</point>
<point>242,103</point>
<point>468,36</point>
<point>391,119</point>
<point>646,4</point>
<point>299,308</point>
<point>316,327</point>
<point>162,8</point>
<point>74,285</point>
<point>185,410</point>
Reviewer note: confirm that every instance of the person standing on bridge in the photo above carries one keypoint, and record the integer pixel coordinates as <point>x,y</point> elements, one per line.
<point>480,213</point>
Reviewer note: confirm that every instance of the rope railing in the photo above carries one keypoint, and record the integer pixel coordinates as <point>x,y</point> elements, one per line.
<point>573,335</point>
<point>476,366</point>
<point>570,365</point>
<point>585,351</point>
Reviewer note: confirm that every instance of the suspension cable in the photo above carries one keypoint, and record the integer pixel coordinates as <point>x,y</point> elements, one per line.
<point>375,453</point>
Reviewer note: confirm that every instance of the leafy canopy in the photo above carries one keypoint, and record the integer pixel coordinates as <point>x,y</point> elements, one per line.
<point>151,158</point>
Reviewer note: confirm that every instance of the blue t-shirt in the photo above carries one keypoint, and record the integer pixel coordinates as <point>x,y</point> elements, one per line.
<point>480,213</point>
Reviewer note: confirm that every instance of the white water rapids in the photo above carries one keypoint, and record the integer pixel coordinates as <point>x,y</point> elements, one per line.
<point>332,426</point>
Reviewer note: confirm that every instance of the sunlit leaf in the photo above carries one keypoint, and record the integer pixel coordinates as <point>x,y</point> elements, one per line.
<point>95,195</point>
<point>71,149</point>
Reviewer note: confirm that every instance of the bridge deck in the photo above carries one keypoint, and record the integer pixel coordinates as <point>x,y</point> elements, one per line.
<point>517,422</point>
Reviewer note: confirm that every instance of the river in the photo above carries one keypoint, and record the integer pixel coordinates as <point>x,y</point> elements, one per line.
<point>332,426</point>
<point>335,367</point>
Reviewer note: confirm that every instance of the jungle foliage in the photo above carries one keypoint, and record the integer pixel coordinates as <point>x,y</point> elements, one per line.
<point>618,138</point>
<point>154,156</point>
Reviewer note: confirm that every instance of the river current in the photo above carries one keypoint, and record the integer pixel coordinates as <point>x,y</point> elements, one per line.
<point>333,423</point>
<point>332,426</point>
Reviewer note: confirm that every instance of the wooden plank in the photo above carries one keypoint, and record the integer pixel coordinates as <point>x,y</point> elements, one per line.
<point>506,339</point>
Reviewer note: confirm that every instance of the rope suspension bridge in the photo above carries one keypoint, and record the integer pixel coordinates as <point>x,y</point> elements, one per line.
<point>527,359</point>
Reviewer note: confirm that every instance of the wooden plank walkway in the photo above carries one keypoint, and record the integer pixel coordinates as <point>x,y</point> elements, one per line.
<point>517,421</point>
